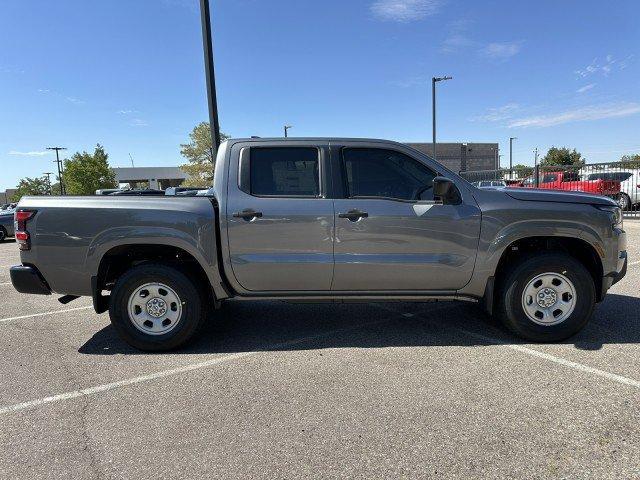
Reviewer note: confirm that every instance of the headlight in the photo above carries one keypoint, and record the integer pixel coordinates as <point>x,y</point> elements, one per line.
<point>616,214</point>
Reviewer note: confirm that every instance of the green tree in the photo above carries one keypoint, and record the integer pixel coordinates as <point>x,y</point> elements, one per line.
<point>630,161</point>
<point>523,170</point>
<point>562,156</point>
<point>85,173</point>
<point>198,153</point>
<point>30,186</point>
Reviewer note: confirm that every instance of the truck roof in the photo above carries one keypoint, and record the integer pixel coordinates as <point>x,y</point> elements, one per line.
<point>312,139</point>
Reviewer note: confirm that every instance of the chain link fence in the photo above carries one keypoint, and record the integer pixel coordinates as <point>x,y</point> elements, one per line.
<point>616,180</point>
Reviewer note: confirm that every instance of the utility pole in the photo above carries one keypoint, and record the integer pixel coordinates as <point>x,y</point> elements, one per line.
<point>435,80</point>
<point>286,130</point>
<point>511,139</point>
<point>536,168</point>
<point>48,174</point>
<point>207,42</point>
<point>60,169</point>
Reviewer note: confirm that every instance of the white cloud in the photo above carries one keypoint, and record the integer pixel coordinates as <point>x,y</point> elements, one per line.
<point>75,101</point>
<point>593,112</point>
<point>457,41</point>
<point>603,67</point>
<point>498,114</point>
<point>404,10</point>
<point>127,112</point>
<point>501,51</point>
<point>29,154</point>
<point>586,88</point>
<point>138,122</point>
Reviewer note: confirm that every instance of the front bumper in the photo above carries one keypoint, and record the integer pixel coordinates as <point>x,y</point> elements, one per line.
<point>28,279</point>
<point>619,275</point>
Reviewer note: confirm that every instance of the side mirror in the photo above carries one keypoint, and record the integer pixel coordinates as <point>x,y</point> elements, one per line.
<point>446,191</point>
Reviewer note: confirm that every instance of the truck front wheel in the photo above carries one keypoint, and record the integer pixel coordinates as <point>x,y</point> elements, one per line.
<point>546,298</point>
<point>155,307</point>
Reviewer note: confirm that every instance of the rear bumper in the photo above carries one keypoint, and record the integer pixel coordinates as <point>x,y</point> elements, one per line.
<point>27,279</point>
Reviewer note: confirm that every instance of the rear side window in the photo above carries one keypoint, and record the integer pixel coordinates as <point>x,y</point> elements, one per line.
<point>375,172</point>
<point>284,172</point>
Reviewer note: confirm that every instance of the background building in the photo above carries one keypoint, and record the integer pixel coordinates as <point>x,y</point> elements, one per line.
<point>5,197</point>
<point>159,178</point>
<point>461,157</point>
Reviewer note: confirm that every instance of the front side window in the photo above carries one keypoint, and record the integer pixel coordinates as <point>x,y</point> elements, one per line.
<point>284,171</point>
<point>374,172</point>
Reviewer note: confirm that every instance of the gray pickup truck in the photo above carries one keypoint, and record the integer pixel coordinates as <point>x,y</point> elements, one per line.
<point>324,220</point>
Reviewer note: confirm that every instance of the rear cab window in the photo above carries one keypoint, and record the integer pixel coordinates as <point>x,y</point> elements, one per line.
<point>283,172</point>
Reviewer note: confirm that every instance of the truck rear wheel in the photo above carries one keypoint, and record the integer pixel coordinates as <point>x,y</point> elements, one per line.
<point>155,307</point>
<point>546,298</point>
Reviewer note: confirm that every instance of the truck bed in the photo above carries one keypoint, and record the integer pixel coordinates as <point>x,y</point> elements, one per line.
<point>70,235</point>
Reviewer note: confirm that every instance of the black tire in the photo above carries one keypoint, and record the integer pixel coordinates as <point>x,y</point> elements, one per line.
<point>509,299</point>
<point>624,202</point>
<point>190,320</point>
<point>3,234</point>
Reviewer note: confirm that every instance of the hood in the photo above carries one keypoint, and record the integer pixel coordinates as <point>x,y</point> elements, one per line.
<point>543,195</point>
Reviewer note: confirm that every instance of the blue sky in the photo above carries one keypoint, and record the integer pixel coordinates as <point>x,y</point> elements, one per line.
<point>129,75</point>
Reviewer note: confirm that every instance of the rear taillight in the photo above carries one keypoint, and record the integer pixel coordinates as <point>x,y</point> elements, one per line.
<point>22,235</point>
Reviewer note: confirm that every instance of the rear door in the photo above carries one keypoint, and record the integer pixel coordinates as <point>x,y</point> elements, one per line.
<point>279,221</point>
<point>390,233</point>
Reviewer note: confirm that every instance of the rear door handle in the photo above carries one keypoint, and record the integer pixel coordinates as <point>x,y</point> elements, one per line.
<point>354,215</point>
<point>248,214</point>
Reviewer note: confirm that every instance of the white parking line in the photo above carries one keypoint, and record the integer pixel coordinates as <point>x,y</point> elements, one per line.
<point>173,371</point>
<point>52,312</point>
<point>5,283</point>
<point>634,263</point>
<point>559,360</point>
<point>546,356</point>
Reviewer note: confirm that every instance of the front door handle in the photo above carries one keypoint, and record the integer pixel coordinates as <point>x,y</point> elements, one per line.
<point>353,215</point>
<point>247,214</point>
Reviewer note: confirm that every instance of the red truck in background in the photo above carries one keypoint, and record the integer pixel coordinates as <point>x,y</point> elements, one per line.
<point>571,181</point>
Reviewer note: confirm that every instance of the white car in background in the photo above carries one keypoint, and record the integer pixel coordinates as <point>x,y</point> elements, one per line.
<point>489,184</point>
<point>629,184</point>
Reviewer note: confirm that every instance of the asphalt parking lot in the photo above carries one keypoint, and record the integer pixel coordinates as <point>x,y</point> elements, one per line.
<point>306,390</point>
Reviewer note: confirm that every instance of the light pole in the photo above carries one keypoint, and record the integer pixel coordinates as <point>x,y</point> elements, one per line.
<point>511,139</point>
<point>59,163</point>
<point>48,174</point>
<point>286,130</point>
<point>435,80</point>
<point>536,168</point>
<point>207,42</point>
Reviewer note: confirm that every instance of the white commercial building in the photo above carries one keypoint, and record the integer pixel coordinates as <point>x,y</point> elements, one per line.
<point>159,178</point>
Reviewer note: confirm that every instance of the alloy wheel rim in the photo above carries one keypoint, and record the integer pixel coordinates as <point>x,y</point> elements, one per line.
<point>154,308</point>
<point>549,299</point>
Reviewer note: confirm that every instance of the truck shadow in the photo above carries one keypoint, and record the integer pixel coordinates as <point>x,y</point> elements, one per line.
<point>278,326</point>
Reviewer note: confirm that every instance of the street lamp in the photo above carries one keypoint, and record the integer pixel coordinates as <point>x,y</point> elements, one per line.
<point>286,130</point>
<point>207,43</point>
<point>435,80</point>
<point>511,139</point>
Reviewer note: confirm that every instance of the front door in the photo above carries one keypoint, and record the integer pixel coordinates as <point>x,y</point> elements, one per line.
<point>279,222</point>
<point>391,234</point>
